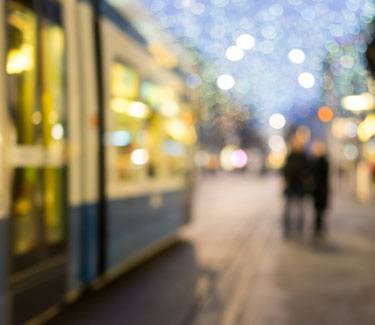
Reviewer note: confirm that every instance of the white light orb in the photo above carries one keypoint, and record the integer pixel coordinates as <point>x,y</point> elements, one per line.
<point>277,121</point>
<point>139,157</point>
<point>297,56</point>
<point>245,41</point>
<point>277,143</point>
<point>306,80</point>
<point>57,132</point>
<point>234,53</point>
<point>351,152</point>
<point>226,82</point>
<point>226,157</point>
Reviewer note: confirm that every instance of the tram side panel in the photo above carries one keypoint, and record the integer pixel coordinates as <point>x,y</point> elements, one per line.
<point>74,114</point>
<point>89,108</point>
<point>141,211</point>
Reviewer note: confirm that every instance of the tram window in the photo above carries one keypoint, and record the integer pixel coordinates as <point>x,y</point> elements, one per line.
<point>129,135</point>
<point>153,95</point>
<point>180,137</point>
<point>150,133</point>
<point>22,83</point>
<point>171,130</point>
<point>52,54</point>
<point>35,65</point>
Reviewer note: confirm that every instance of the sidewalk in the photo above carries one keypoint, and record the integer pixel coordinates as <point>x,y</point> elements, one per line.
<point>303,281</point>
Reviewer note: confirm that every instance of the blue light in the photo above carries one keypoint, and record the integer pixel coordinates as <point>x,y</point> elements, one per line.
<point>120,138</point>
<point>173,148</point>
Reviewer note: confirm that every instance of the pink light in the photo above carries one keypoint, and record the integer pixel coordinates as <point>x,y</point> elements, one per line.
<point>239,158</point>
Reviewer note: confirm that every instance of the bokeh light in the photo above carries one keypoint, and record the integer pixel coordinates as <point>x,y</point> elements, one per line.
<point>234,53</point>
<point>193,81</point>
<point>297,56</point>
<point>277,143</point>
<point>239,158</point>
<point>245,41</point>
<point>226,157</point>
<point>366,129</point>
<point>291,43</point>
<point>344,128</point>
<point>225,82</point>
<point>325,114</point>
<point>277,121</point>
<point>351,151</point>
<point>57,132</point>
<point>275,160</point>
<point>357,103</point>
<point>306,80</point>
<point>139,157</point>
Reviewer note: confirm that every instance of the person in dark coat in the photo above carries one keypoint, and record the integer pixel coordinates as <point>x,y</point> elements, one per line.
<point>295,174</point>
<point>320,176</point>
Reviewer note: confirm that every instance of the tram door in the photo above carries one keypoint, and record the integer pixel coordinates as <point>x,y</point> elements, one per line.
<point>36,113</point>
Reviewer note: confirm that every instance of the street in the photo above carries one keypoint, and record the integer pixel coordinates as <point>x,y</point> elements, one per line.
<point>232,266</point>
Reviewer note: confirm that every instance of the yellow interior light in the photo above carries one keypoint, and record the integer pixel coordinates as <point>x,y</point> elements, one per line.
<point>226,157</point>
<point>138,110</point>
<point>20,60</point>
<point>139,157</point>
<point>181,132</point>
<point>169,108</point>
<point>344,128</point>
<point>366,129</point>
<point>119,104</point>
<point>369,152</point>
<point>276,160</point>
<point>124,82</point>
<point>132,108</point>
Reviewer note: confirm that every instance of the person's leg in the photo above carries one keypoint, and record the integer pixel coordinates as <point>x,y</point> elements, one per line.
<point>286,216</point>
<point>318,221</point>
<point>300,215</point>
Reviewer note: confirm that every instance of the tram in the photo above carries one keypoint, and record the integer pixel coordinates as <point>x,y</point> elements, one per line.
<point>96,140</point>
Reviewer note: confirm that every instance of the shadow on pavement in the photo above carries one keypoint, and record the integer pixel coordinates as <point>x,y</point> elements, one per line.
<point>161,291</point>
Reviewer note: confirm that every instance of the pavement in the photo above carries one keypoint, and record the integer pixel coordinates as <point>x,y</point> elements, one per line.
<point>232,266</point>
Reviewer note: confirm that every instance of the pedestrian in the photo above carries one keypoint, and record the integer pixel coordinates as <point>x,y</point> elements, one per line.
<point>296,173</point>
<point>320,191</point>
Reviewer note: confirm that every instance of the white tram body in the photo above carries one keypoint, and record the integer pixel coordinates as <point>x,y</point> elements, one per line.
<point>96,136</point>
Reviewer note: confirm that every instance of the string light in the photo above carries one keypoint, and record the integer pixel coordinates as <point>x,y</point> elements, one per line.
<point>259,27</point>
